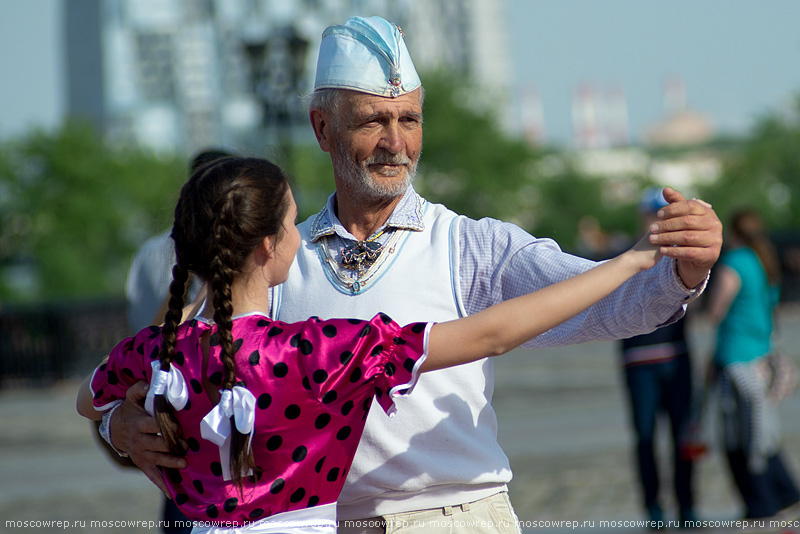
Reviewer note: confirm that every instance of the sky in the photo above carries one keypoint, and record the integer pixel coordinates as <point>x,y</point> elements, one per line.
<point>31,80</point>
<point>738,59</point>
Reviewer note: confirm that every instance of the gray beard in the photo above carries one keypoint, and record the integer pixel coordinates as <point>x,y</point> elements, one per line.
<point>359,181</point>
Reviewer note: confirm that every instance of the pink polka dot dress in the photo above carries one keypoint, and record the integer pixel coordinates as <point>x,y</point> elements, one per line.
<point>313,382</point>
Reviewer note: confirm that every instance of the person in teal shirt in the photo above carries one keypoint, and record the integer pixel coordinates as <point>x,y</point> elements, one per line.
<point>744,334</point>
<point>746,282</point>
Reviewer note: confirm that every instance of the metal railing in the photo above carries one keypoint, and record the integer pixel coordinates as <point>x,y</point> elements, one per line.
<point>44,343</point>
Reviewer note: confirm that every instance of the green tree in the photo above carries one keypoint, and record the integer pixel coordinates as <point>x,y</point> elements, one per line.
<point>469,163</point>
<point>73,210</point>
<point>763,171</point>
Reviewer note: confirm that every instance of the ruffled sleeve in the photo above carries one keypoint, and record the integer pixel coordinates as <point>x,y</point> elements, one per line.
<point>128,363</point>
<point>349,360</point>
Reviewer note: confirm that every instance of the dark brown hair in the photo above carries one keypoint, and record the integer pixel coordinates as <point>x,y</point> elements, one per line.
<point>224,211</point>
<point>748,227</point>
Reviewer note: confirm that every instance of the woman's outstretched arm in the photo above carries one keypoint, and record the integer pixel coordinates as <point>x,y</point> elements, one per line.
<point>504,326</point>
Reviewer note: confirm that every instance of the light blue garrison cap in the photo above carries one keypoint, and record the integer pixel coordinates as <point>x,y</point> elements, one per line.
<point>366,55</point>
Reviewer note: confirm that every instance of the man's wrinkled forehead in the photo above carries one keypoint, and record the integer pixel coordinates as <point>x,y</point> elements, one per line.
<point>357,106</point>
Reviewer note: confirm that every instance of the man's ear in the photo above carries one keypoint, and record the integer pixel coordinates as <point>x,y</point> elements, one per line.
<point>322,128</point>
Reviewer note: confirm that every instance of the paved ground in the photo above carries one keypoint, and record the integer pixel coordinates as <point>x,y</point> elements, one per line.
<point>562,422</point>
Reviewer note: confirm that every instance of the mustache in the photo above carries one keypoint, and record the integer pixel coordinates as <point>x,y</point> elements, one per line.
<point>386,158</point>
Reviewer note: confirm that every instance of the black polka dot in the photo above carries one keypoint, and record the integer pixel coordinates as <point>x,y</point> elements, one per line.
<point>378,392</point>
<point>181,498</point>
<point>347,407</point>
<point>343,433</point>
<point>212,511</point>
<point>333,474</point>
<point>198,485</point>
<point>318,466</point>
<point>231,504</point>
<point>98,393</point>
<point>298,495</point>
<point>237,344</point>
<point>313,501</point>
<point>329,397</point>
<point>355,321</point>
<point>365,331</point>
<point>292,411</point>
<point>188,405</point>
<point>295,340</point>
<point>399,341</point>
<point>355,376</point>
<point>174,475</point>
<point>299,454</point>
<point>216,378</point>
<point>385,318</point>
<point>193,444</point>
<point>274,443</point>
<point>140,349</point>
<point>277,486</point>
<point>102,367</point>
<point>154,353</point>
<point>322,421</point>
<point>179,358</point>
<point>112,378</point>
<point>280,369</point>
<point>306,347</point>
<point>345,357</point>
<point>366,404</point>
<point>418,328</point>
<point>264,400</point>
<point>329,330</point>
<point>258,472</point>
<point>197,387</point>
<point>262,323</point>
<point>216,469</point>
<point>254,358</point>
<point>390,369</point>
<point>154,331</point>
<point>128,372</point>
<point>409,364</point>
<point>320,376</point>
<point>376,350</point>
<point>256,513</point>
<point>274,331</point>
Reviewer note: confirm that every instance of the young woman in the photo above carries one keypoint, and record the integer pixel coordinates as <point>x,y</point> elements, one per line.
<point>742,304</point>
<point>268,414</point>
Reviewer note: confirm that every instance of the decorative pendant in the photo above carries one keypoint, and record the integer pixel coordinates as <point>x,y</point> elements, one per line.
<point>361,256</point>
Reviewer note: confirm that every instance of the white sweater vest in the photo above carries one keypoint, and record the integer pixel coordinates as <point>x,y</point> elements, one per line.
<point>441,448</point>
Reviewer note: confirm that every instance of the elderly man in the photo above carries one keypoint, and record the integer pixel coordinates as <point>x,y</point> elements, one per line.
<point>378,246</point>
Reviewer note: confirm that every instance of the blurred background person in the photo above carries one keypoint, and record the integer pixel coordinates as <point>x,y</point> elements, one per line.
<point>147,286</point>
<point>742,304</point>
<point>658,380</point>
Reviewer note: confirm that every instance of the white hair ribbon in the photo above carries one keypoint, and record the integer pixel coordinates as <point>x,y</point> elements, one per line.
<point>170,383</point>
<point>216,425</point>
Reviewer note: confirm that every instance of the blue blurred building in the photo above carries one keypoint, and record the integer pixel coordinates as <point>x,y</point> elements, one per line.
<point>178,75</point>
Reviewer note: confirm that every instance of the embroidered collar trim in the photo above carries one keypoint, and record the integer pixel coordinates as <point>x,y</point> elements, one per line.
<point>407,215</point>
